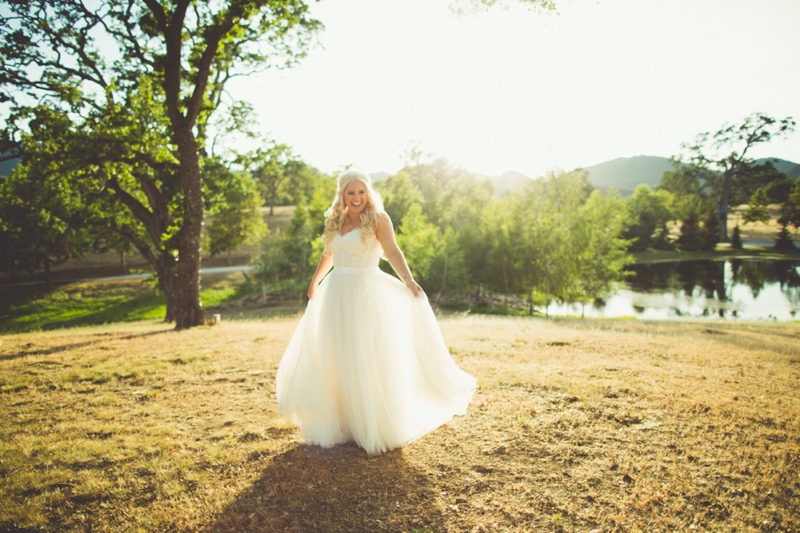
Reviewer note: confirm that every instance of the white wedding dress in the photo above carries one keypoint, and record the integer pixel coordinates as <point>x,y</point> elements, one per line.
<point>367,362</point>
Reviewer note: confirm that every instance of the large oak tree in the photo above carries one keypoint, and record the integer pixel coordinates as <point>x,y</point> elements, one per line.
<point>724,160</point>
<point>138,81</point>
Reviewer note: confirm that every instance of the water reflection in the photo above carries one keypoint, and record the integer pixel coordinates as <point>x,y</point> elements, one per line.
<point>744,289</point>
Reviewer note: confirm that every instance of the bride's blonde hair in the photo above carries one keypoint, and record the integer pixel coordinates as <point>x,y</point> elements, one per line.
<point>335,215</point>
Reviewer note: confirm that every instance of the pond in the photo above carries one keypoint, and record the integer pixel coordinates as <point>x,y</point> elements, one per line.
<point>736,289</point>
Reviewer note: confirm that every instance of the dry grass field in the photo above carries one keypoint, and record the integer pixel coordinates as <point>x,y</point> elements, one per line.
<point>578,426</point>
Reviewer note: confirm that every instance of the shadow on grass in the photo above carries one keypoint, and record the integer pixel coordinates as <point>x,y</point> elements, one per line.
<point>66,347</point>
<point>335,490</point>
<point>51,313</point>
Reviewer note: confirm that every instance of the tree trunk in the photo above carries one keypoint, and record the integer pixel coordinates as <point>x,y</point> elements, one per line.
<point>188,309</point>
<point>547,293</point>
<point>229,256</point>
<point>170,294</point>
<point>122,263</point>
<point>723,206</point>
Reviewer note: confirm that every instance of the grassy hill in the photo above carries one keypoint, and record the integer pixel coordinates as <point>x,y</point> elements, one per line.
<point>626,173</point>
<point>576,426</point>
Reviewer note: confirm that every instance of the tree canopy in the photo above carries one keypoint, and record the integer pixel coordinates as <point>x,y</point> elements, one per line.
<point>121,94</point>
<point>723,157</point>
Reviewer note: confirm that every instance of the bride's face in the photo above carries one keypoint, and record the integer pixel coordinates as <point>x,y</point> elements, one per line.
<point>355,197</point>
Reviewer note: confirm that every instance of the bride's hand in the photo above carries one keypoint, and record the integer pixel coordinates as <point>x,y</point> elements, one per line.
<point>414,287</point>
<point>311,290</point>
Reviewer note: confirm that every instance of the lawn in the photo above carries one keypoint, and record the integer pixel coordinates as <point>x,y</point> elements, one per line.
<point>103,302</point>
<point>577,426</point>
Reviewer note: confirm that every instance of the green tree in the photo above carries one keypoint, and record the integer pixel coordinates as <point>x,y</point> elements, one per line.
<point>724,156</point>
<point>276,169</point>
<point>546,214</point>
<point>419,240</point>
<point>233,205</point>
<point>85,60</point>
<point>710,222</point>
<point>649,214</point>
<point>757,210</point>
<point>42,219</point>
<point>783,241</point>
<point>691,237</point>
<point>600,248</point>
<point>286,263</point>
<point>448,268</point>
<point>736,238</point>
<point>774,182</point>
<point>399,194</point>
<point>790,210</point>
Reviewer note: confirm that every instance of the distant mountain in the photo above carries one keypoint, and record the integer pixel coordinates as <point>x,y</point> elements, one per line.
<point>503,184</point>
<point>507,182</point>
<point>7,166</point>
<point>789,168</point>
<point>625,173</point>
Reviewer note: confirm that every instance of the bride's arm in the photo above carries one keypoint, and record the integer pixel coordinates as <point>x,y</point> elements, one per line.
<point>393,254</point>
<point>323,267</point>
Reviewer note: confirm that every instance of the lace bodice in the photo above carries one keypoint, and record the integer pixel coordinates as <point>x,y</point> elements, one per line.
<point>352,251</point>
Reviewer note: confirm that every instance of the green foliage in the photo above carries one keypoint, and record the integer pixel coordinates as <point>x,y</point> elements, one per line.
<point>649,213</point>
<point>123,94</point>
<point>601,251</point>
<point>691,237</point>
<point>281,176</point>
<point>790,211</point>
<point>236,219</point>
<point>736,238</point>
<point>43,219</point>
<point>757,210</point>
<point>783,241</point>
<point>723,162</point>
<point>399,194</point>
<point>710,222</point>
<point>419,240</point>
<point>765,176</point>
<point>286,263</point>
<point>320,201</point>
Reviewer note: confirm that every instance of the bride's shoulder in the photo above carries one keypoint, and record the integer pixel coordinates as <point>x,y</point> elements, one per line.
<point>383,226</point>
<point>383,219</point>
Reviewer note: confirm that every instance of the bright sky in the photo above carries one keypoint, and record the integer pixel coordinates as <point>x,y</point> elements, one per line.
<point>516,90</point>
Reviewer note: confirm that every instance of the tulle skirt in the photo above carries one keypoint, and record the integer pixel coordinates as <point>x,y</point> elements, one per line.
<point>367,363</point>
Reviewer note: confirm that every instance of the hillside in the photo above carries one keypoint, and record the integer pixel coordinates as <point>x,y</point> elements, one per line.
<point>507,182</point>
<point>789,168</point>
<point>625,173</point>
<point>7,166</point>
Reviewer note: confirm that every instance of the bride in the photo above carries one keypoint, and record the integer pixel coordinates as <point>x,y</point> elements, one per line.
<point>367,362</point>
